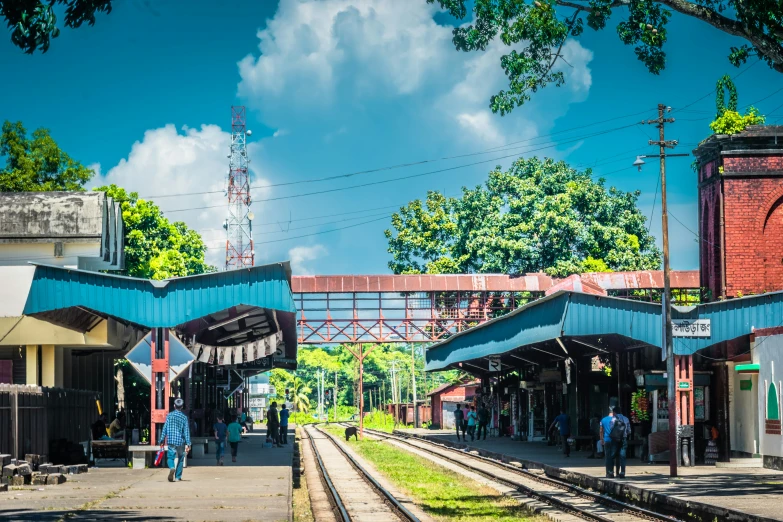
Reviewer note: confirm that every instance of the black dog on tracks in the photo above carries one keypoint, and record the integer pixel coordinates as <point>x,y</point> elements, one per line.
<point>351,432</point>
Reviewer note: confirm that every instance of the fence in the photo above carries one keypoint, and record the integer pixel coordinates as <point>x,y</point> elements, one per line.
<point>31,417</point>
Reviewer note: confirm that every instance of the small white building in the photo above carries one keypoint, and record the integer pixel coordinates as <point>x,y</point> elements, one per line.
<point>756,398</point>
<point>72,229</point>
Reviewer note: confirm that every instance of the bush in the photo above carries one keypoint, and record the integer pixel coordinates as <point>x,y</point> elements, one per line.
<point>732,122</point>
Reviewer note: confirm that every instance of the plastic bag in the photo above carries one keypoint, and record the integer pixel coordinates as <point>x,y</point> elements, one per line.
<point>159,457</point>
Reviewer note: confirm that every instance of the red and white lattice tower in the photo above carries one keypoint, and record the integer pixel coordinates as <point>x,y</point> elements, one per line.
<point>238,225</point>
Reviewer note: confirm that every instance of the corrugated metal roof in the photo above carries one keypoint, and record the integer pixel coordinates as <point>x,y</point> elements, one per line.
<point>160,303</point>
<point>576,314</point>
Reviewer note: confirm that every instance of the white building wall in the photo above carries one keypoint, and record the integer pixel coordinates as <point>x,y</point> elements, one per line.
<point>22,253</point>
<point>769,351</point>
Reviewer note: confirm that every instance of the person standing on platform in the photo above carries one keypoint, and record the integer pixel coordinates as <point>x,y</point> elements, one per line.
<point>273,425</point>
<point>483,421</point>
<point>284,414</point>
<point>459,418</point>
<point>609,446</point>
<point>176,433</point>
<point>472,421</point>
<point>621,430</point>
<point>563,422</point>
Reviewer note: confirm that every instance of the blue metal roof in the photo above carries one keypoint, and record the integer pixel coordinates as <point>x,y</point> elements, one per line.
<point>577,314</point>
<point>160,303</point>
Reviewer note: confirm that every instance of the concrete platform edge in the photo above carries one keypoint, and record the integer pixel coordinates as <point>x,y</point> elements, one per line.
<point>626,492</point>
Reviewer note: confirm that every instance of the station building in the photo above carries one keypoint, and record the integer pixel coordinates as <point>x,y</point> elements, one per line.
<point>580,350</point>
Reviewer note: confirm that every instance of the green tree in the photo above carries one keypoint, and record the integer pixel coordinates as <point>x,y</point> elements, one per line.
<point>33,23</point>
<point>539,216</point>
<point>536,31</point>
<point>37,163</point>
<point>156,248</point>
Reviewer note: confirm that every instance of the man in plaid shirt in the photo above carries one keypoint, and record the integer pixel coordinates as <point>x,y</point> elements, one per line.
<point>176,432</point>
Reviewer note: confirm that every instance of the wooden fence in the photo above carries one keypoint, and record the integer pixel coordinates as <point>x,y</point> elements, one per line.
<point>31,417</point>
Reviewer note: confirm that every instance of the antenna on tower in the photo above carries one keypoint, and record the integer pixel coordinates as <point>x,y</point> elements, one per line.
<point>239,222</point>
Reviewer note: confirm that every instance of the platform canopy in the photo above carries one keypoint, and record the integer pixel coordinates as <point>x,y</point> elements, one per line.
<point>566,324</point>
<point>236,312</point>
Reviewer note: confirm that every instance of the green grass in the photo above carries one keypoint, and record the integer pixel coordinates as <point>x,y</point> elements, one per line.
<point>443,494</point>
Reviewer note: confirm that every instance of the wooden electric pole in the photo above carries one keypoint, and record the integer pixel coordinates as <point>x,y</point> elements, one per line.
<point>666,299</point>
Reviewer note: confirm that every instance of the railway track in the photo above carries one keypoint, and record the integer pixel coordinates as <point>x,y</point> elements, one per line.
<point>558,494</point>
<point>356,496</point>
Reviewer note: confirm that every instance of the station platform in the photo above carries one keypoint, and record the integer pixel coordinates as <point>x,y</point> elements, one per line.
<point>256,487</point>
<point>737,493</point>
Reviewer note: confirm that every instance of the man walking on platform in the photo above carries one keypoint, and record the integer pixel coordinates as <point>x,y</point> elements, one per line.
<point>609,447</point>
<point>620,433</point>
<point>176,432</point>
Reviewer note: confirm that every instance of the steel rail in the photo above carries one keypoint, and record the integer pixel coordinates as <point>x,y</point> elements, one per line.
<point>369,478</point>
<point>336,500</point>
<point>579,491</point>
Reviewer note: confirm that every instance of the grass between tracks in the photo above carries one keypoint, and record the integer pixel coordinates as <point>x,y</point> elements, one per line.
<point>443,494</point>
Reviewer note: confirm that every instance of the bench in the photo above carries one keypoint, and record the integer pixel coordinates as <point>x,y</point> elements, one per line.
<point>109,449</point>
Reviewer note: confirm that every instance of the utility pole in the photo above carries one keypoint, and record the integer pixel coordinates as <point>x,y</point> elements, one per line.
<point>359,355</point>
<point>413,381</point>
<point>660,122</point>
<point>335,396</point>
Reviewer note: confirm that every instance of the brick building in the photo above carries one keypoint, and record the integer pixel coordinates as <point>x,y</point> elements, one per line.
<point>741,212</point>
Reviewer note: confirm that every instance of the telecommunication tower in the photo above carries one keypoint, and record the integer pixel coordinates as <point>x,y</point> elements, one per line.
<point>238,224</point>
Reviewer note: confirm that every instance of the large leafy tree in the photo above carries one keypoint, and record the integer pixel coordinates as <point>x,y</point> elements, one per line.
<point>156,248</point>
<point>37,163</point>
<point>536,31</point>
<point>538,216</point>
<point>33,23</point>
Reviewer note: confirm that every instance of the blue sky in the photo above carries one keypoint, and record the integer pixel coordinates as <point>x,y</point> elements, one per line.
<point>339,86</point>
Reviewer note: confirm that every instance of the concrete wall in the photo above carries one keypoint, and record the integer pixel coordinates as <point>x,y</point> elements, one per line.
<point>743,413</point>
<point>769,351</point>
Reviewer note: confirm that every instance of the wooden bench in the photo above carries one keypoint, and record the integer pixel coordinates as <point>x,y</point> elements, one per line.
<point>109,449</point>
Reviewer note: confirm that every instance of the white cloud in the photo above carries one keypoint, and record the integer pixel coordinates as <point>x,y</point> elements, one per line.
<point>300,257</point>
<point>279,133</point>
<point>95,167</point>
<point>169,162</point>
<point>347,54</point>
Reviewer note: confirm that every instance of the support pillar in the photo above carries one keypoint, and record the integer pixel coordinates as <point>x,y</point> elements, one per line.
<point>47,365</point>
<point>686,454</point>
<point>159,389</point>
<point>59,358</point>
<point>32,365</point>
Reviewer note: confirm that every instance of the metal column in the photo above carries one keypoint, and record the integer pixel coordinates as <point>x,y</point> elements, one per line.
<point>159,390</point>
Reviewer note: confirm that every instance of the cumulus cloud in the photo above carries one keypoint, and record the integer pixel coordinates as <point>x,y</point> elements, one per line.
<point>301,256</point>
<point>167,162</point>
<point>315,55</point>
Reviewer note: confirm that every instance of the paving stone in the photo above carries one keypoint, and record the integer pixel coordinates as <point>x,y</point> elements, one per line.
<point>24,469</point>
<point>16,480</point>
<point>5,460</point>
<point>9,470</point>
<point>39,479</point>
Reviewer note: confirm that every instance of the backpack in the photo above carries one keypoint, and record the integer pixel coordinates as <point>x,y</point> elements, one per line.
<point>618,431</point>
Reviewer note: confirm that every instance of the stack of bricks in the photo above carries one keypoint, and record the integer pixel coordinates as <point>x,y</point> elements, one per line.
<point>34,470</point>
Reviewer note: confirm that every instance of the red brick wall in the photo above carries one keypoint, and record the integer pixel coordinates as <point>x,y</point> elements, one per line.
<point>709,230</point>
<point>753,227</point>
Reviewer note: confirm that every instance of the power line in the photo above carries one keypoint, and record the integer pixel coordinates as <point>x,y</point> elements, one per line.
<point>746,69</point>
<point>408,164</point>
<point>319,233</point>
<point>412,176</point>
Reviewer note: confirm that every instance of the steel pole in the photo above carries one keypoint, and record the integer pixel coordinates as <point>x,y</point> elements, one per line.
<point>413,380</point>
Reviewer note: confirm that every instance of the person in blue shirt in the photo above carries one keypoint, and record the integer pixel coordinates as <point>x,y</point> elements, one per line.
<point>176,433</point>
<point>614,448</point>
<point>609,447</point>
<point>220,439</point>
<point>622,444</point>
<point>284,414</point>
<point>564,423</point>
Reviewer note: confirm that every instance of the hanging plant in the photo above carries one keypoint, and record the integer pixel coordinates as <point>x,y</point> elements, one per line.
<point>640,406</point>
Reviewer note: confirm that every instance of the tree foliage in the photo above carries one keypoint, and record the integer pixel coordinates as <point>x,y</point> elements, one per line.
<point>37,163</point>
<point>539,216</point>
<point>156,248</point>
<point>728,120</point>
<point>33,23</point>
<point>536,31</point>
